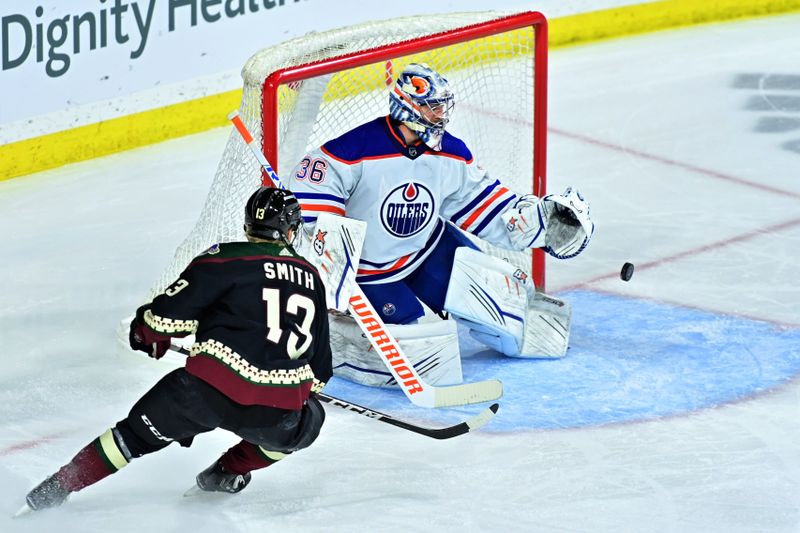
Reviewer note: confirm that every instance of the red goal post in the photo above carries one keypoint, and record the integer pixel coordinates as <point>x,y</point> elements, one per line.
<point>303,92</point>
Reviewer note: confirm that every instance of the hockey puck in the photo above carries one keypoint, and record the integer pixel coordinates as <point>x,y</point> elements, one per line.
<point>627,272</point>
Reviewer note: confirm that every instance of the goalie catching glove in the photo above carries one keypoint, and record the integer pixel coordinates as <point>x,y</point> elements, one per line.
<point>558,223</point>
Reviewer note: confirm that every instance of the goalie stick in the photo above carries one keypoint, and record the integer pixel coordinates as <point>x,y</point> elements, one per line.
<point>416,390</point>
<point>476,422</point>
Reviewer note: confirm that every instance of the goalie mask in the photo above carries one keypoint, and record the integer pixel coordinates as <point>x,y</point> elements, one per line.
<point>270,214</point>
<point>422,100</point>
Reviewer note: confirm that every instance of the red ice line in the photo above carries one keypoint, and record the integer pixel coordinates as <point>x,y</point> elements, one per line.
<point>691,252</point>
<point>643,155</point>
<point>700,249</point>
<point>672,162</point>
<point>695,251</point>
<point>25,445</point>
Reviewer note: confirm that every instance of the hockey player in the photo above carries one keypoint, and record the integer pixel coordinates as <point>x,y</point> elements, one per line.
<point>418,188</point>
<point>261,353</point>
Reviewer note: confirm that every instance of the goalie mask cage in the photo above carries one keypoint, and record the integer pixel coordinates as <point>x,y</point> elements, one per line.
<point>303,92</point>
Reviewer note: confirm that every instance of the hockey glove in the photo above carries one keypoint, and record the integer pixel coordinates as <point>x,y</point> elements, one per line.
<point>569,225</point>
<point>526,223</point>
<point>143,339</point>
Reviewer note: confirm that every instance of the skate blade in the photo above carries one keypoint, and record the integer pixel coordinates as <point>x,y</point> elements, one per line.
<point>193,491</point>
<point>22,511</point>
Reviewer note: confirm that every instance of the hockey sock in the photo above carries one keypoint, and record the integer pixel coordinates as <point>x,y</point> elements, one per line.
<point>246,457</point>
<point>100,458</point>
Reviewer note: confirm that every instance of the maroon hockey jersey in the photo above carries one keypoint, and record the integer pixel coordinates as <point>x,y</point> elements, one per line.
<point>259,316</point>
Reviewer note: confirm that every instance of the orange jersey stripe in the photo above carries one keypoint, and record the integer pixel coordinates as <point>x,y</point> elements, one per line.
<point>399,263</point>
<point>451,156</point>
<point>483,207</point>
<point>391,130</point>
<point>356,161</point>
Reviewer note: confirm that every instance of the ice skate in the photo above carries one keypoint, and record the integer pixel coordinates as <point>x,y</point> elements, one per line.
<point>216,479</point>
<point>48,493</point>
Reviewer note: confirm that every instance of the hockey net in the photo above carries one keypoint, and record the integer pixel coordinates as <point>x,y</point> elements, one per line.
<point>301,93</point>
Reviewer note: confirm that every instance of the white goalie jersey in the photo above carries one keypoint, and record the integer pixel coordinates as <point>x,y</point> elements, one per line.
<point>404,193</point>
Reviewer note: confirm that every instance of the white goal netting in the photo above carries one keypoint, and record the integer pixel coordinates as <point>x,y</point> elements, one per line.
<point>492,78</point>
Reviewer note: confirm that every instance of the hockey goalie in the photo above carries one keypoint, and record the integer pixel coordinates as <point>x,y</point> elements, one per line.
<point>418,189</point>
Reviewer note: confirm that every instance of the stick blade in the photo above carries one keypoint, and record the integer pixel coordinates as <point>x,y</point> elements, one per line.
<point>483,418</point>
<point>25,509</point>
<point>194,490</point>
<point>474,423</point>
<point>467,393</point>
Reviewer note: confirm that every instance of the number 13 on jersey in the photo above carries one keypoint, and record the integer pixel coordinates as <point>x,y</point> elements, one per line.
<point>294,304</point>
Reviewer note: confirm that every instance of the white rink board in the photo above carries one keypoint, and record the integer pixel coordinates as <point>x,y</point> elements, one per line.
<point>180,54</point>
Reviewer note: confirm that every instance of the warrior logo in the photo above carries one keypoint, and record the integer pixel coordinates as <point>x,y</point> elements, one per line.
<point>319,242</point>
<point>407,209</point>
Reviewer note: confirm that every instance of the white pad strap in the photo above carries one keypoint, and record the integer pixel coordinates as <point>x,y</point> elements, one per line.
<point>431,347</point>
<point>335,249</point>
<point>499,304</point>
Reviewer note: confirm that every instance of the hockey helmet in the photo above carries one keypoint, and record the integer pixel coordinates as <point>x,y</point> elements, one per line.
<point>422,100</point>
<point>270,214</point>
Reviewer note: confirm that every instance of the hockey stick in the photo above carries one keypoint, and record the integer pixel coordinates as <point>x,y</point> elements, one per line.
<point>418,391</point>
<point>449,432</point>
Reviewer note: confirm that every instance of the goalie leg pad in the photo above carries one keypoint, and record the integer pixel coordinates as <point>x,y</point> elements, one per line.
<point>547,326</point>
<point>499,304</point>
<point>496,339</point>
<point>432,348</point>
<point>489,296</point>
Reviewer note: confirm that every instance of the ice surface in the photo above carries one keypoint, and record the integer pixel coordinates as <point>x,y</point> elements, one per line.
<point>676,409</point>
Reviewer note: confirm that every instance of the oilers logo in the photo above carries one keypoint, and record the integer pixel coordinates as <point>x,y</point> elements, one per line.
<point>421,87</point>
<point>407,209</point>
